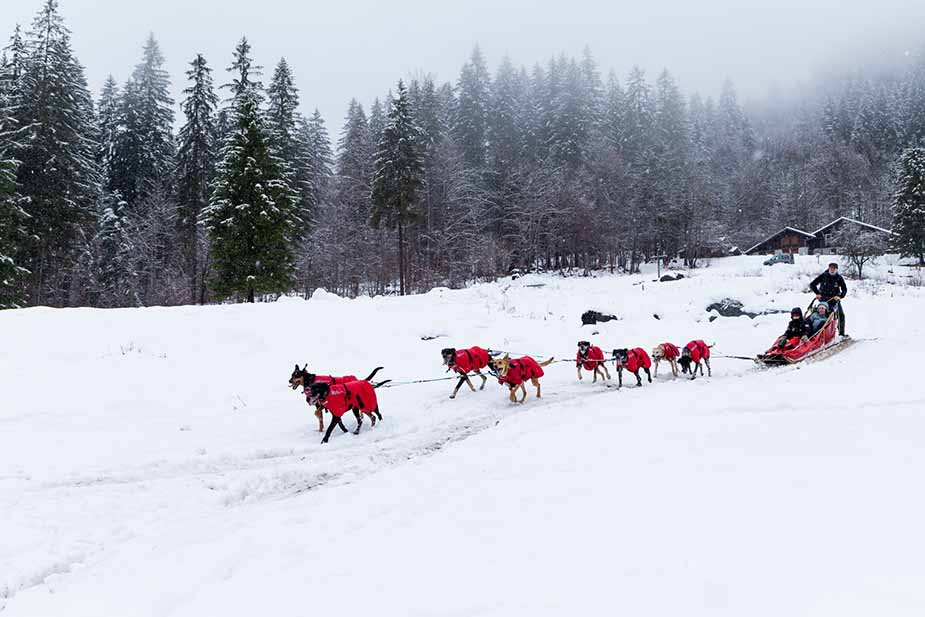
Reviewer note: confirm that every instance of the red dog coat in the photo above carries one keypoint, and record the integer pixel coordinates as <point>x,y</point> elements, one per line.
<point>521,370</point>
<point>342,397</point>
<point>699,350</point>
<point>670,351</point>
<point>593,360</point>
<point>331,381</point>
<point>637,359</point>
<point>468,360</point>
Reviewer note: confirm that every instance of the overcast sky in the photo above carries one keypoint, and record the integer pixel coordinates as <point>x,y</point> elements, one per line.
<point>359,48</point>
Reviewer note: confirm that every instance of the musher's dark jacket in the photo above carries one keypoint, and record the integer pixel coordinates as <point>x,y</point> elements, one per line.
<point>829,285</point>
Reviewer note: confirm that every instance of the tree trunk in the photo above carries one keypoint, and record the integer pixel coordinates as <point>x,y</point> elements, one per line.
<point>250,294</point>
<point>401,258</point>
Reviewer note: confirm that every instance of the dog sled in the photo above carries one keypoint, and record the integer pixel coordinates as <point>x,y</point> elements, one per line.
<point>822,344</point>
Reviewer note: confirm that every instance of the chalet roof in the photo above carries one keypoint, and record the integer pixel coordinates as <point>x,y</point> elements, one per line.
<point>805,234</point>
<point>856,222</point>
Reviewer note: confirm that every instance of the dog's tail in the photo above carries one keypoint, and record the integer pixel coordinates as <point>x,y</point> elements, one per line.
<point>380,383</point>
<point>547,362</point>
<point>373,374</point>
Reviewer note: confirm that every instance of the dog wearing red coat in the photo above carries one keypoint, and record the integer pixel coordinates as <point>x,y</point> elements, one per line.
<point>669,353</point>
<point>356,396</point>
<point>633,360</point>
<point>698,354</point>
<point>465,361</point>
<point>301,377</point>
<point>591,358</point>
<point>514,373</point>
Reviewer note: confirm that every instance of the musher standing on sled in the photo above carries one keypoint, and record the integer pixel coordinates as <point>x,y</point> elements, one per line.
<point>830,288</point>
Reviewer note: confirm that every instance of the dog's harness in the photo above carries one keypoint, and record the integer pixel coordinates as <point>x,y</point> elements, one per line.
<point>671,351</point>
<point>521,370</point>
<point>591,360</point>
<point>635,360</point>
<point>698,350</point>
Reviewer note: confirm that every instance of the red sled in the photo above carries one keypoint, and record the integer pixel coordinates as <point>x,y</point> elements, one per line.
<point>825,339</point>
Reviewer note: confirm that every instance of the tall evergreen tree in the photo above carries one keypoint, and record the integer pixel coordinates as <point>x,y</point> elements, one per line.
<point>58,173</point>
<point>399,174</point>
<point>195,168</point>
<point>471,124</point>
<point>284,119</point>
<point>144,147</point>
<point>12,216</point>
<point>252,218</point>
<point>909,204</point>
<point>107,114</point>
<point>314,134</point>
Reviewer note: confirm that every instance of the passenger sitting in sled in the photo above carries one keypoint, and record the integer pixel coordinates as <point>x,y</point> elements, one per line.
<point>796,330</point>
<point>818,318</point>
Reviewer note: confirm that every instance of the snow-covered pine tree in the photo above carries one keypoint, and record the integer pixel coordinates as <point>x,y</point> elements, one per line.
<point>613,116</point>
<point>377,113</point>
<point>638,118</point>
<point>399,174</point>
<point>909,204</point>
<point>195,169</point>
<point>314,134</point>
<point>107,115</point>
<point>58,171</point>
<point>144,148</point>
<point>284,119</point>
<point>473,99</point>
<point>671,150</point>
<point>12,216</point>
<point>252,217</point>
<point>115,281</point>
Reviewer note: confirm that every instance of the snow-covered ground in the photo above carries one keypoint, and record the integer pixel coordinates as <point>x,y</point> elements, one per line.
<point>154,462</point>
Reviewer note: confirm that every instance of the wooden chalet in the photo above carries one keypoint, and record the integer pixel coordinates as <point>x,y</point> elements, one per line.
<point>792,240</point>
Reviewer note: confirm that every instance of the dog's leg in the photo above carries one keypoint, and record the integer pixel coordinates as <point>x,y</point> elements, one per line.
<point>606,372</point>
<point>694,371</point>
<point>579,374</point>
<point>458,386</point>
<point>709,370</point>
<point>656,367</point>
<point>510,393</point>
<point>334,422</point>
<point>376,411</point>
<point>620,377</point>
<point>320,415</point>
<point>649,375</point>
<point>523,388</point>
<point>484,380</point>
<point>638,378</point>
<point>596,371</point>
<point>469,381</point>
<point>536,382</point>
<point>359,421</point>
<point>674,368</point>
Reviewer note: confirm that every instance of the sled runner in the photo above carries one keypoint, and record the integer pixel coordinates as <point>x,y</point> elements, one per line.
<point>823,343</point>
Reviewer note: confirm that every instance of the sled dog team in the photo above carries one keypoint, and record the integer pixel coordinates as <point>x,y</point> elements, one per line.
<point>338,395</point>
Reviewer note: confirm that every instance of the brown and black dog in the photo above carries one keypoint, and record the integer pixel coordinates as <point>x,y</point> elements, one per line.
<point>356,396</point>
<point>515,372</point>
<point>301,377</point>
<point>591,358</point>
<point>465,361</point>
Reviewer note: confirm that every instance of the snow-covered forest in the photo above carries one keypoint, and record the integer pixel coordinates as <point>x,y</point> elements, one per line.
<point>107,199</point>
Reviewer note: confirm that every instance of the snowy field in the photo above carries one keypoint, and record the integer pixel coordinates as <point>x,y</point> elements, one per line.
<point>153,462</point>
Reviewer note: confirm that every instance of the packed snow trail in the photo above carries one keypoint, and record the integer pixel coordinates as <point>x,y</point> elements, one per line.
<point>154,461</point>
